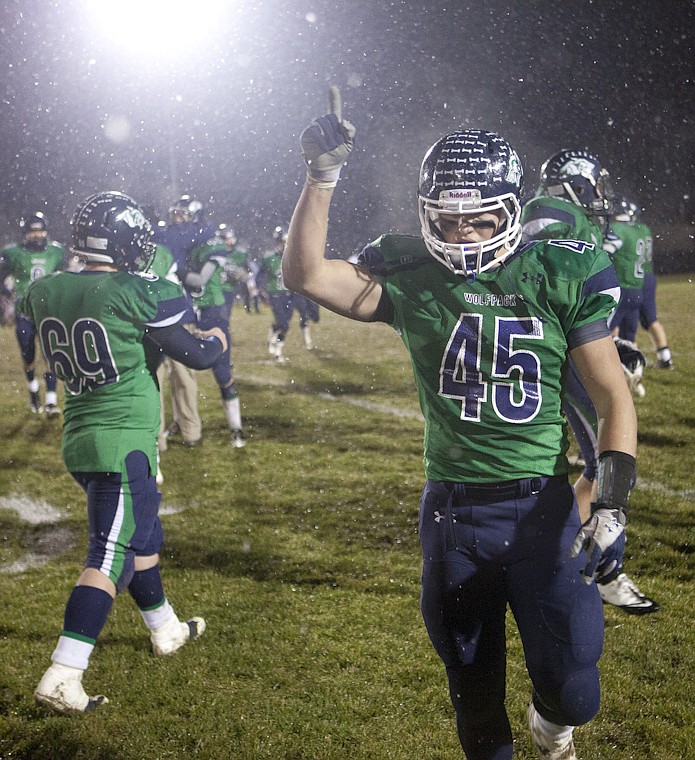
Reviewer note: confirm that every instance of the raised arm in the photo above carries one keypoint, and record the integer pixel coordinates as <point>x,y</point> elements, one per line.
<point>334,283</point>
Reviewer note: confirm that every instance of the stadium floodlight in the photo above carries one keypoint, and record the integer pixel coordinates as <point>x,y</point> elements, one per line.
<point>161,28</point>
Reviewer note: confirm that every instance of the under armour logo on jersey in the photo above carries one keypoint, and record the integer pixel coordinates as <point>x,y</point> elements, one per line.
<point>438,517</point>
<point>537,278</point>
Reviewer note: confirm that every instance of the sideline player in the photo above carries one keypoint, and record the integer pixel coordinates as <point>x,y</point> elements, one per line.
<point>102,331</point>
<point>631,239</point>
<point>205,267</point>
<point>187,227</point>
<point>574,201</point>
<point>34,257</point>
<point>282,301</point>
<point>489,328</point>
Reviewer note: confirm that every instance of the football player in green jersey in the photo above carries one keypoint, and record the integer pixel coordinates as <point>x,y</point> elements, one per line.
<point>489,327</point>
<point>203,279</point>
<point>279,297</point>
<point>34,257</point>
<point>102,331</point>
<point>284,302</point>
<point>238,278</point>
<point>574,201</point>
<point>631,245</point>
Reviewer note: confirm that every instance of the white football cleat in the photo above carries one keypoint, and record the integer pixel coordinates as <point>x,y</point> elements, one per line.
<point>548,749</point>
<point>52,410</point>
<point>272,342</point>
<point>61,689</point>
<point>172,636</point>
<point>622,592</point>
<point>238,440</point>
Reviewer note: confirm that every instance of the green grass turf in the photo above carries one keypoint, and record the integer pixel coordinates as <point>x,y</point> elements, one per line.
<point>301,551</point>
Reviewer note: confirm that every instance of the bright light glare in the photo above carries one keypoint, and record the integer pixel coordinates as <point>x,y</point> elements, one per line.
<point>157,28</point>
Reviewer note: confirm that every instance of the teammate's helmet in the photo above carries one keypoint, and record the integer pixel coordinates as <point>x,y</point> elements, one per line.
<point>578,176</point>
<point>226,233</point>
<point>626,210</point>
<point>186,209</point>
<point>467,173</point>
<point>280,237</point>
<point>110,228</point>
<point>34,229</point>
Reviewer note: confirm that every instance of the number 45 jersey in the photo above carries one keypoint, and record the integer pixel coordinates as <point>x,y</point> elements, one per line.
<point>489,354</point>
<point>92,326</point>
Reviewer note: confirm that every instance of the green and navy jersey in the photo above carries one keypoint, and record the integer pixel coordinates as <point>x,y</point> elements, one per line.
<point>164,265</point>
<point>630,248</point>
<point>489,354</point>
<point>235,269</point>
<point>271,273</point>
<point>91,325</point>
<point>546,218</point>
<point>26,265</point>
<point>215,252</point>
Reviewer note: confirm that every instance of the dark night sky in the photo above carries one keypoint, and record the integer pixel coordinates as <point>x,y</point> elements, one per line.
<point>86,109</point>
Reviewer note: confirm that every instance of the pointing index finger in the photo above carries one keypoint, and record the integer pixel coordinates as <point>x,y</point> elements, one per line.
<point>335,102</point>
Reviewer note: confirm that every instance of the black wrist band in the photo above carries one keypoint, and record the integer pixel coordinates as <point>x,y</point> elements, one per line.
<point>617,473</point>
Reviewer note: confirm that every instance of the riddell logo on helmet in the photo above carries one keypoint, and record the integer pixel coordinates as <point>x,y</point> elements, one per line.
<point>459,195</point>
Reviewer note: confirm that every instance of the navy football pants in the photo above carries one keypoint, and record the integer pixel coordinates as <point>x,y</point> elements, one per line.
<point>483,551</point>
<point>122,508</point>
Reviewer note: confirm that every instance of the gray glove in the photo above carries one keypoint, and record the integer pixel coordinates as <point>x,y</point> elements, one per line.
<point>326,144</point>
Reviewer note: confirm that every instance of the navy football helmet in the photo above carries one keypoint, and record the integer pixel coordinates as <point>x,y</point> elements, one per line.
<point>467,173</point>
<point>186,209</point>
<point>110,228</point>
<point>579,177</point>
<point>34,229</point>
<point>226,233</point>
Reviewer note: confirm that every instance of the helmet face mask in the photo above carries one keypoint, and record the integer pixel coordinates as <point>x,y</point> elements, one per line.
<point>111,228</point>
<point>466,174</point>
<point>34,232</point>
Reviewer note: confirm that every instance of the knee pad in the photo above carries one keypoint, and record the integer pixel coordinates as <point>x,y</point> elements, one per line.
<point>575,702</point>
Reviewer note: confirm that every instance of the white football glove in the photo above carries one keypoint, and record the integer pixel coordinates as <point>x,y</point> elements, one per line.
<point>326,144</point>
<point>603,538</point>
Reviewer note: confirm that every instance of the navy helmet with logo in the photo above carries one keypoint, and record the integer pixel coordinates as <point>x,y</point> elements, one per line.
<point>467,173</point>
<point>111,228</point>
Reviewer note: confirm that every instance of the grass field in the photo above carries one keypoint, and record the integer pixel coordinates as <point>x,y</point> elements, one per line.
<point>301,551</point>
